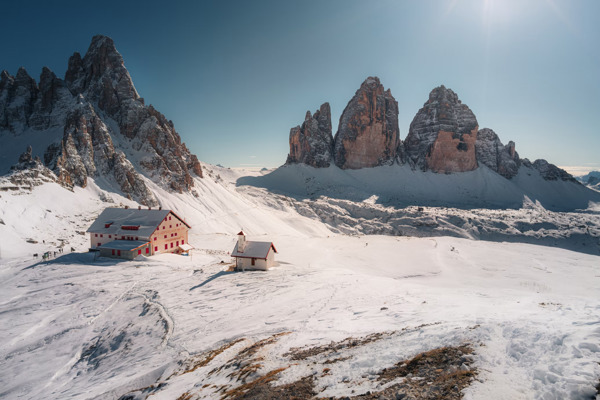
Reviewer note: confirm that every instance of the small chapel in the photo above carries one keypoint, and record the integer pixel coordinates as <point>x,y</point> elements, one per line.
<point>253,255</point>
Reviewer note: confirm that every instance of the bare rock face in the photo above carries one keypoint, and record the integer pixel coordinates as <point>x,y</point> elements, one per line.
<point>87,149</point>
<point>30,171</point>
<point>551,172</point>
<point>442,135</point>
<point>368,133</point>
<point>18,96</point>
<point>102,78</point>
<point>492,153</point>
<point>96,91</point>
<point>312,143</point>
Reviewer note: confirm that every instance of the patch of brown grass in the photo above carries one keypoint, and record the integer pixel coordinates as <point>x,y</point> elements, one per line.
<point>439,374</point>
<point>185,396</point>
<point>301,353</point>
<point>335,360</point>
<point>208,357</point>
<point>252,350</point>
<point>240,391</point>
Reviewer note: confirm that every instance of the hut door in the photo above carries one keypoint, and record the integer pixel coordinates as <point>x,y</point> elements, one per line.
<point>253,261</point>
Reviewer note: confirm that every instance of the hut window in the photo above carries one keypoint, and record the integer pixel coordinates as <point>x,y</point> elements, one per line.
<point>182,242</point>
<point>147,250</point>
<point>166,246</point>
<point>109,236</point>
<point>177,243</point>
<point>155,248</point>
<point>119,253</point>
<point>96,234</point>
<point>139,251</point>
<point>113,252</point>
<point>253,261</point>
<point>171,244</point>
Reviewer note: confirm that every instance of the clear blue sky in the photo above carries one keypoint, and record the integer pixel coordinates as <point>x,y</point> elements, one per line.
<point>235,76</point>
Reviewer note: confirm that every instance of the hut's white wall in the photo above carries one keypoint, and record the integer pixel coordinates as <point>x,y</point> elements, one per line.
<point>100,238</point>
<point>170,234</point>
<point>270,258</point>
<point>246,263</point>
<point>126,254</point>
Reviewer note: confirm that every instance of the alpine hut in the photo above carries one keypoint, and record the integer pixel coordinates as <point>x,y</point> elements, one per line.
<point>127,233</point>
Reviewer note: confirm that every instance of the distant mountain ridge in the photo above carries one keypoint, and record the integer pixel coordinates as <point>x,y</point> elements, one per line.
<point>444,137</point>
<point>93,123</point>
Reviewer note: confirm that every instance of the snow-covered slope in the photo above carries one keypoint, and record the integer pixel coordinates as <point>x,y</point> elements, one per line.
<point>54,214</point>
<point>79,328</point>
<point>401,186</point>
<point>184,327</point>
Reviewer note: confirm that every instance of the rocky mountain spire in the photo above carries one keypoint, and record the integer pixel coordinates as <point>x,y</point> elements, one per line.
<point>95,87</point>
<point>312,143</point>
<point>102,77</point>
<point>17,100</point>
<point>442,135</point>
<point>368,133</point>
<point>492,153</point>
<point>50,87</point>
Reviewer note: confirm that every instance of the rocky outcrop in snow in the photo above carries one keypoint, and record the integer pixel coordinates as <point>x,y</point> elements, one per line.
<point>29,172</point>
<point>492,153</point>
<point>442,135</point>
<point>368,133</point>
<point>549,172</point>
<point>312,143</point>
<point>97,90</point>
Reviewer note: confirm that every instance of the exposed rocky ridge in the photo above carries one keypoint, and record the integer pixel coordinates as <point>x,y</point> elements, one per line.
<point>442,135</point>
<point>87,149</point>
<point>549,172</point>
<point>312,143</point>
<point>102,115</point>
<point>492,153</point>
<point>368,133</point>
<point>28,172</point>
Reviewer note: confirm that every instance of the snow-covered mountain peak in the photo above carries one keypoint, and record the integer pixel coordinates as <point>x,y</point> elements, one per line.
<point>94,124</point>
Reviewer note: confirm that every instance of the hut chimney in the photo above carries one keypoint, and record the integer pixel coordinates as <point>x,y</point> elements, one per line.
<point>241,241</point>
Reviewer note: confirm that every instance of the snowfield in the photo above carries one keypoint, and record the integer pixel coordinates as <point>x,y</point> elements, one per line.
<point>170,327</point>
